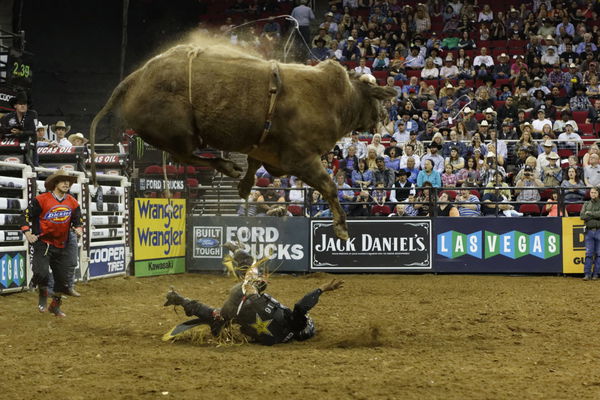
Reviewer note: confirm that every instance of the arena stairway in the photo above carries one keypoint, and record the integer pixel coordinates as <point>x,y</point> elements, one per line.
<point>222,198</point>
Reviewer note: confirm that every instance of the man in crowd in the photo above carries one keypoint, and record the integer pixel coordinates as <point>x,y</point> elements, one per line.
<point>21,124</point>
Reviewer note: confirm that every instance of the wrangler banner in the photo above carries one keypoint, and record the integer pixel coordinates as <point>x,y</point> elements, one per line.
<point>159,236</point>
<point>573,245</point>
<point>284,238</point>
<point>498,245</point>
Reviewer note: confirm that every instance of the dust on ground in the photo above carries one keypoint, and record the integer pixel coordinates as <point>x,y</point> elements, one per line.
<point>380,337</point>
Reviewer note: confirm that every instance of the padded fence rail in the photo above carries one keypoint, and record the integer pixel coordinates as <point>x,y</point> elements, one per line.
<point>16,186</point>
<point>104,247</point>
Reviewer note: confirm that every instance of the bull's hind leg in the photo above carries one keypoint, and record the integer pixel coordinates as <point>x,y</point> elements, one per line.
<point>315,175</point>
<point>247,181</point>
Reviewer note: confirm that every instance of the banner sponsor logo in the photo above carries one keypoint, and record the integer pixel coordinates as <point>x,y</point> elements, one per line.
<point>107,260</point>
<point>56,150</point>
<point>58,214</point>
<point>373,244</point>
<point>208,242</point>
<point>573,245</point>
<point>159,228</point>
<point>261,237</point>
<point>12,270</point>
<point>9,142</point>
<point>485,244</point>
<point>159,184</point>
<point>160,267</point>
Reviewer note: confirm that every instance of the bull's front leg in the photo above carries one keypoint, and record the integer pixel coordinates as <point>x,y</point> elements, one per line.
<point>315,175</point>
<point>247,181</point>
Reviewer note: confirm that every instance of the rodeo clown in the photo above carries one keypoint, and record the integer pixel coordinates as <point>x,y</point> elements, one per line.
<point>46,223</point>
<point>259,315</point>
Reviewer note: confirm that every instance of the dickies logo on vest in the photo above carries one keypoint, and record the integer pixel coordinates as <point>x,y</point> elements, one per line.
<point>58,214</point>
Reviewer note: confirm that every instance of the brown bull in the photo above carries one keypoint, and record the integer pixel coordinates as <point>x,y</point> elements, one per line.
<point>226,103</point>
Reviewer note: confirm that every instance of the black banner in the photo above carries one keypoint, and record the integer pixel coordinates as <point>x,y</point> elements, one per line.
<point>158,184</point>
<point>374,245</point>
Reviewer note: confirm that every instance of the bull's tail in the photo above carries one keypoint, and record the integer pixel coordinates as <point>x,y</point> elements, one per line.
<point>115,99</point>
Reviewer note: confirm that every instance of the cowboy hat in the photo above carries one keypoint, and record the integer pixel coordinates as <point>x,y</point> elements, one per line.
<point>467,110</point>
<point>41,126</point>
<point>77,135</point>
<point>553,156</point>
<point>19,98</point>
<point>59,176</point>
<point>60,124</point>
<point>489,110</point>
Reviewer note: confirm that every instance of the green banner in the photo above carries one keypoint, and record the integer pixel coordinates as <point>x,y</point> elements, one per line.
<point>163,266</point>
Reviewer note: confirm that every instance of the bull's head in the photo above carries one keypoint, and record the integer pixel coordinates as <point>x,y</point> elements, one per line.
<point>370,98</point>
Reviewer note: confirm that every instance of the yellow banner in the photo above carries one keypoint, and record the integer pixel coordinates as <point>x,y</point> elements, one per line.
<point>159,229</point>
<point>573,245</point>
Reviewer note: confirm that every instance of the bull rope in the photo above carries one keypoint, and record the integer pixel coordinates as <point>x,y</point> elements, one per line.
<point>164,168</point>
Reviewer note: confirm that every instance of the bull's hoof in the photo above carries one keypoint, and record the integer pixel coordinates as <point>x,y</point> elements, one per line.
<point>230,169</point>
<point>341,231</point>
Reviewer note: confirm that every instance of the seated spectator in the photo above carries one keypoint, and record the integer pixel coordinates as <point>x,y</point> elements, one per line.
<point>319,52</point>
<point>332,162</point>
<point>270,196</point>
<point>551,173</point>
<point>593,149</point>
<point>467,203</point>
<point>552,207</point>
<point>297,193</point>
<point>362,207</point>
<point>402,187</point>
<point>40,132</point>
<point>362,68</point>
<point>490,168</point>
<point>498,182</point>
<point>415,60</point>
<point>505,93</point>
<point>580,102</point>
<point>434,156</point>
<point>538,124</point>
<point>556,78</point>
<point>591,173</point>
<point>383,173</point>
<point>559,124</point>
<point>573,187</point>
<point>449,70</point>
<point>429,174</point>
<point>493,201</point>
<point>381,62</point>
<point>371,159</point>
<point>466,42</point>
<point>61,129</point>
<point>550,57</point>
<point>361,148</point>
<point>376,144</point>
<point>455,161</point>
<point>528,187</point>
<point>482,62</point>
<point>501,70</point>
<point>430,71</point>
<point>449,178</point>
<point>392,161</point>
<point>250,208</point>
<point>445,208</point>
<point>470,170</point>
<point>532,163</point>
<point>542,158</point>
<point>477,144</point>
<point>77,139</point>
<point>412,170</point>
<point>345,192</point>
<point>362,177</point>
<point>379,196</point>
<point>569,139</point>
<point>319,208</point>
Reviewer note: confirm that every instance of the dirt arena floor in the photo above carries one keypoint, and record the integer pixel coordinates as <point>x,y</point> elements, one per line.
<point>381,337</point>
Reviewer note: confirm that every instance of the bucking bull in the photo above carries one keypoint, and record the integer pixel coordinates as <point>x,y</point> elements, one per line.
<point>284,116</point>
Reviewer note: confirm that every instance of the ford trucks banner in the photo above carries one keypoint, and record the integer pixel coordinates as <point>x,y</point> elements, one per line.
<point>498,245</point>
<point>285,237</point>
<point>159,236</point>
<point>374,245</point>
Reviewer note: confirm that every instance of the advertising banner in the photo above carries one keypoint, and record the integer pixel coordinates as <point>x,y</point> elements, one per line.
<point>374,245</point>
<point>285,237</point>
<point>107,260</point>
<point>498,245</point>
<point>12,269</point>
<point>159,235</point>
<point>573,245</point>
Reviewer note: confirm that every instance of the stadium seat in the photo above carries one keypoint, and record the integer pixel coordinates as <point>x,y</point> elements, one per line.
<point>476,193</point>
<point>171,170</point>
<point>380,210</point>
<point>530,209</point>
<point>380,75</point>
<point>263,182</point>
<point>153,170</point>
<point>451,194</point>
<point>565,153</point>
<point>546,194</point>
<point>413,72</point>
<point>588,139</point>
<point>295,210</point>
<point>580,116</point>
<point>573,209</point>
<point>586,129</point>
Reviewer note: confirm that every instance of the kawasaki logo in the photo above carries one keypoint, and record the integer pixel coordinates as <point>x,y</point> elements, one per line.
<point>485,244</point>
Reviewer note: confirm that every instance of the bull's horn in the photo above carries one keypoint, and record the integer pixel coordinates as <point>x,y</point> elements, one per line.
<point>368,78</point>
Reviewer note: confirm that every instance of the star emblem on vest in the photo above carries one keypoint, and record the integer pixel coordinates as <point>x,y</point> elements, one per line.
<point>262,326</point>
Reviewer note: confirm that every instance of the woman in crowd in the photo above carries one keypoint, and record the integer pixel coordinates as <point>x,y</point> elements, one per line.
<point>466,71</point>
<point>573,187</point>
<point>455,161</point>
<point>430,71</point>
<point>376,143</point>
<point>526,141</point>
<point>469,169</point>
<point>476,143</point>
<point>594,149</point>
<point>362,177</point>
<point>444,208</point>
<point>371,158</point>
<point>531,162</point>
<point>349,163</point>
<point>552,208</point>
<point>428,174</point>
<point>392,161</point>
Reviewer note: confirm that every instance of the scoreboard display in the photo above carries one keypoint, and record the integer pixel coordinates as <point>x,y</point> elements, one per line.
<point>19,69</point>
